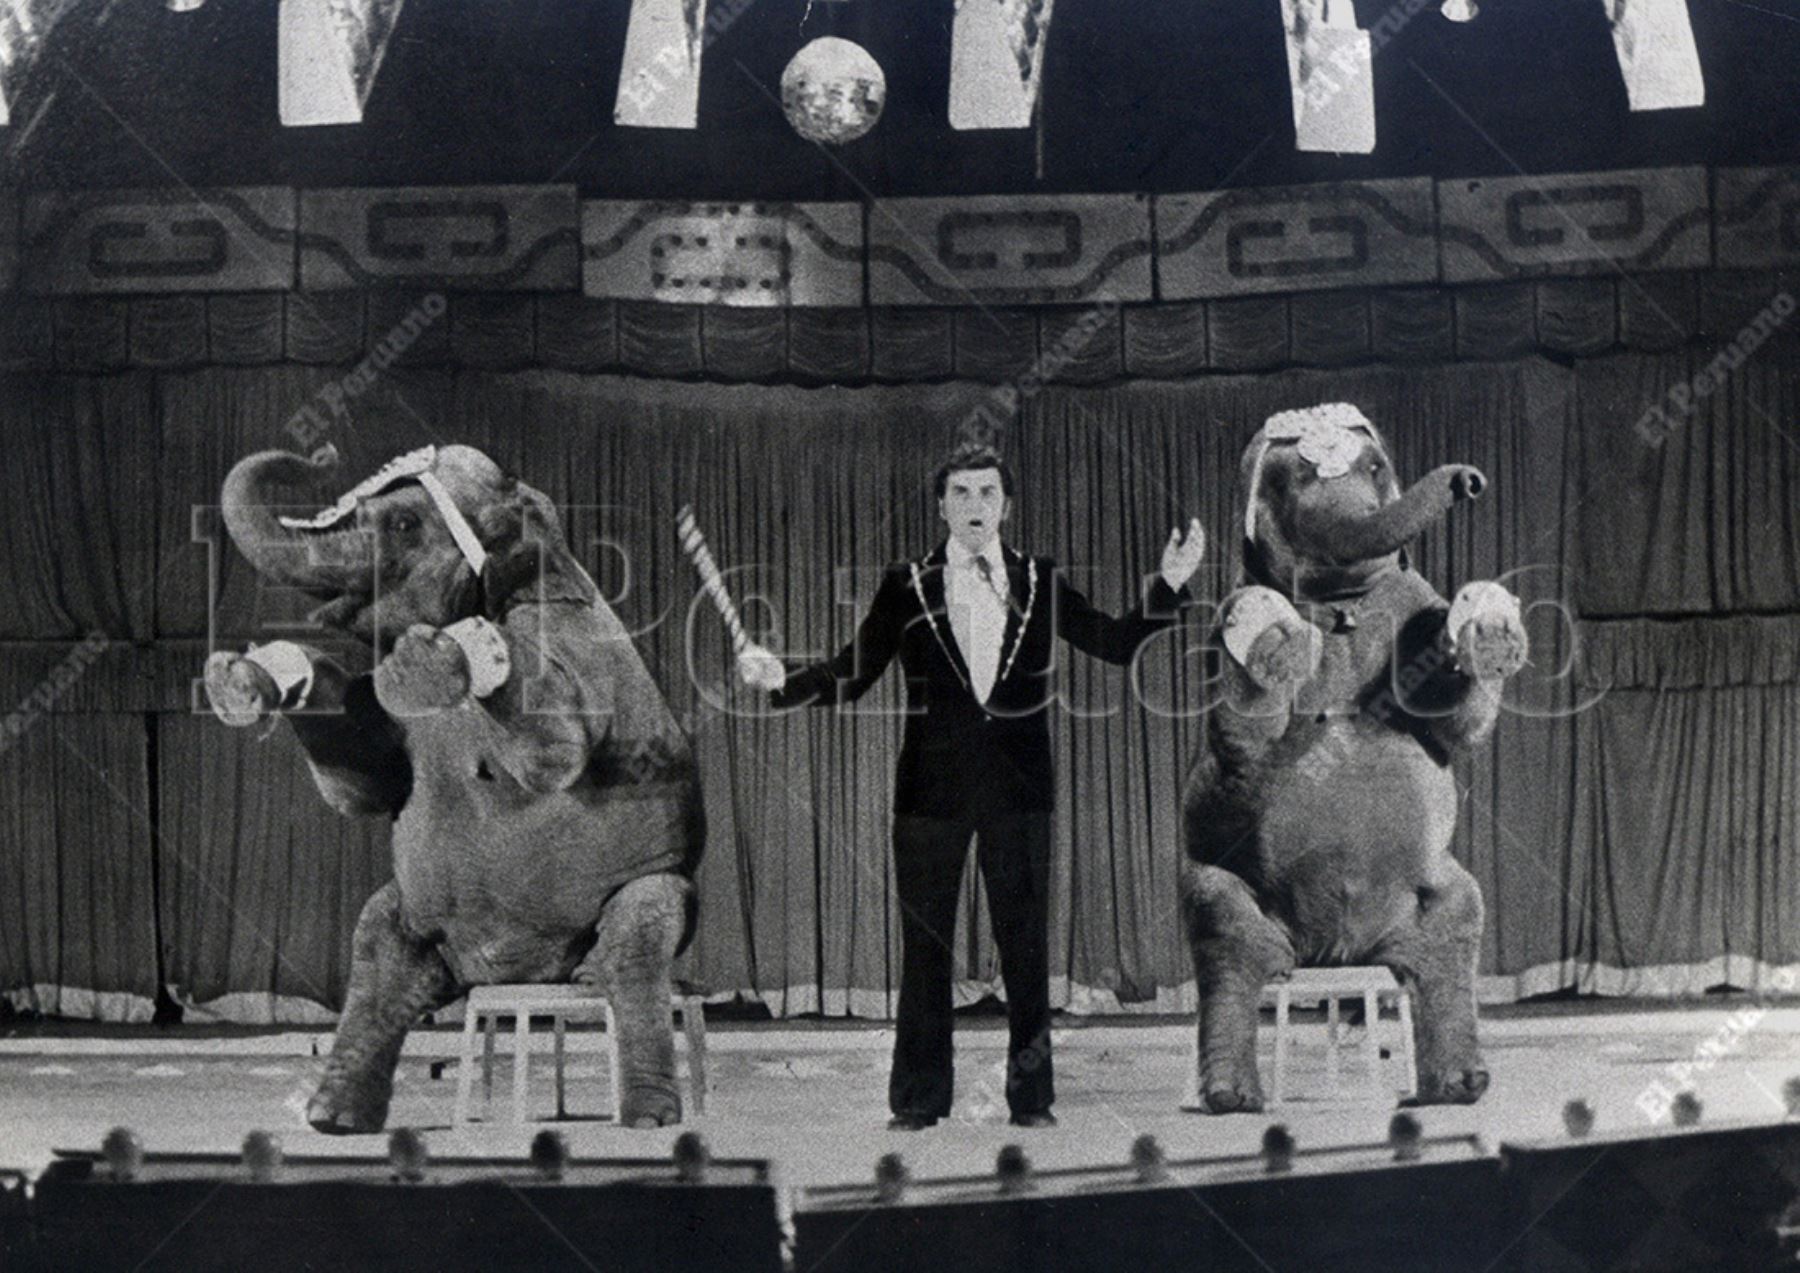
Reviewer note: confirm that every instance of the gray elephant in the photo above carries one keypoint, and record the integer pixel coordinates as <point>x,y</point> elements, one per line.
<point>546,804</point>
<point>1319,812</point>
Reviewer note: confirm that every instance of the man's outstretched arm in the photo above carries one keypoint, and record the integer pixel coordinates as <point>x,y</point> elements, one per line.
<point>1116,639</point>
<point>846,675</point>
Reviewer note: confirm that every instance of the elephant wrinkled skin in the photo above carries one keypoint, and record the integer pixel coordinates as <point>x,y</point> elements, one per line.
<point>1319,811</point>
<point>545,829</point>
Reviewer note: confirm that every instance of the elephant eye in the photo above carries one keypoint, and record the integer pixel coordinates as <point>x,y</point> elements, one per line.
<point>405,523</point>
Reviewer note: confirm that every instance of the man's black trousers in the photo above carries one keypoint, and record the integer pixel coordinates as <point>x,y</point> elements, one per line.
<point>1013,852</point>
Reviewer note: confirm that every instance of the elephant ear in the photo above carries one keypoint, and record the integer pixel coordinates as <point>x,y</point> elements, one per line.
<point>1394,486</point>
<point>529,562</point>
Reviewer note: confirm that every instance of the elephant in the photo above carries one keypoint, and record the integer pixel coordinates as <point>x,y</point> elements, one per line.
<point>545,801</point>
<point>1319,809</point>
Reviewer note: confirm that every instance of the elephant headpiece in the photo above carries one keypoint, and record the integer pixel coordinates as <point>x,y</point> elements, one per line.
<point>1324,513</point>
<point>435,535</point>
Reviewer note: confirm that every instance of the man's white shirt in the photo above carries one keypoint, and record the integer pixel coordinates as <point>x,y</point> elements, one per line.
<point>977,611</point>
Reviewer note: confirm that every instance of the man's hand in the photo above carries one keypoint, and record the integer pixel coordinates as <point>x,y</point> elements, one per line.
<point>759,668</point>
<point>1181,556</point>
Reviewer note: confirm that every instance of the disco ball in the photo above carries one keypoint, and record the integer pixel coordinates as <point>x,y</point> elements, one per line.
<point>833,91</point>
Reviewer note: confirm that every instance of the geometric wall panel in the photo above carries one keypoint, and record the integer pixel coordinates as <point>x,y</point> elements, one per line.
<point>475,238</point>
<point>1573,223</point>
<point>171,240</point>
<point>1757,220</point>
<point>742,254</point>
<point>1010,250</point>
<point>1294,238</point>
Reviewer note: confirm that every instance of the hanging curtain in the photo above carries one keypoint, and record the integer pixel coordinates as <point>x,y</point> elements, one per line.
<point>1709,520</point>
<point>79,554</point>
<point>1683,845</point>
<point>1632,823</point>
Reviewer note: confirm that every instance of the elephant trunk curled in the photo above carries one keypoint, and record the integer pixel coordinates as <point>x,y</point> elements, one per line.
<point>329,562</point>
<point>1348,538</point>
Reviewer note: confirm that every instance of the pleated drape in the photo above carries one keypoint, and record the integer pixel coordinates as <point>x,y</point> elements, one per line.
<point>1632,824</point>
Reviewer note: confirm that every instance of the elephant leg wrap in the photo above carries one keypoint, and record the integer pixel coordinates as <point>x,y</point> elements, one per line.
<point>1266,637</point>
<point>1435,957</point>
<point>1237,950</point>
<point>393,980</point>
<point>1487,645</point>
<point>1270,651</point>
<point>1485,623</point>
<point>356,753</point>
<point>641,928</point>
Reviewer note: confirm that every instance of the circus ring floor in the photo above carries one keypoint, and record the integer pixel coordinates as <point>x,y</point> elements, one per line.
<point>811,1097</point>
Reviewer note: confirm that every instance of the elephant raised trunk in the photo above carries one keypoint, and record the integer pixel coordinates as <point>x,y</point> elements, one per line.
<point>1319,814</point>
<point>325,562</point>
<point>508,728</point>
<point>1346,538</point>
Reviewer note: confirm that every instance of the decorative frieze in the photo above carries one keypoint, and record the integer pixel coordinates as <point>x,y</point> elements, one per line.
<point>1010,250</point>
<point>746,254</point>
<point>471,238</point>
<point>1574,223</point>
<point>176,240</point>
<point>1296,238</point>
<point>1757,221</point>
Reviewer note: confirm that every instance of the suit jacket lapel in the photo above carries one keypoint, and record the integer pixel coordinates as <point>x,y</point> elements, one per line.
<point>1015,608</point>
<point>937,613</point>
<point>1017,589</point>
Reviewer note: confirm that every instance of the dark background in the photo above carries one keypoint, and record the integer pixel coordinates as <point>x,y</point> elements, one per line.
<point>1645,845</point>
<point>1166,96</point>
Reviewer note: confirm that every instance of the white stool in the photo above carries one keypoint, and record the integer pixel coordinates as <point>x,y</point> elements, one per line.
<point>1374,985</point>
<point>562,1003</point>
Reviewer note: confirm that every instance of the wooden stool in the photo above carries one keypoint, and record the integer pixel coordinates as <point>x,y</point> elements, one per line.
<point>1374,985</point>
<point>561,1003</point>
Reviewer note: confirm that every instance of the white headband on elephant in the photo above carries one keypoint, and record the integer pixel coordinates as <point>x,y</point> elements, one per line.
<point>1331,436</point>
<point>413,466</point>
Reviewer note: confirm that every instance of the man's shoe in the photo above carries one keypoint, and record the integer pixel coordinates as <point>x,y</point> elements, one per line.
<point>1040,1118</point>
<point>911,1122</point>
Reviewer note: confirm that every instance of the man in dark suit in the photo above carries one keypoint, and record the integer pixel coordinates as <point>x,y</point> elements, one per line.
<point>974,625</point>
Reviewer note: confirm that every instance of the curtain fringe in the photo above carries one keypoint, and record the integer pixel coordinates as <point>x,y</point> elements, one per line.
<point>81,1004</point>
<point>249,1007</point>
<point>1657,981</point>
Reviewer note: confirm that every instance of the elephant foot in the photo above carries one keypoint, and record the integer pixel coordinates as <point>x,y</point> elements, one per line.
<point>241,691</point>
<point>1270,640</point>
<point>1284,655</point>
<point>427,672</point>
<point>1491,650</point>
<point>1450,1087</point>
<point>343,1107</point>
<point>1232,1100</point>
<point>647,1108</point>
<point>1490,637</point>
<point>1231,1088</point>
